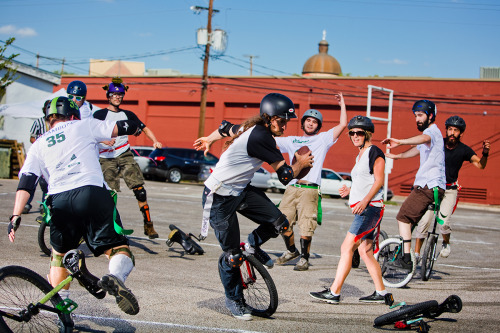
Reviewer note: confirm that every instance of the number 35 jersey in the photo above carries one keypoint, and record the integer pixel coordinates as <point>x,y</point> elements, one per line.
<point>67,156</point>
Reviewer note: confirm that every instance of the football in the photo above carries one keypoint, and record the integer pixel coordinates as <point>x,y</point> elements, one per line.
<point>301,151</point>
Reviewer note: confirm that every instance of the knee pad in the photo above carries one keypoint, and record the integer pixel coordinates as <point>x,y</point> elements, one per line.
<point>122,249</point>
<point>234,258</point>
<point>140,193</point>
<point>281,224</point>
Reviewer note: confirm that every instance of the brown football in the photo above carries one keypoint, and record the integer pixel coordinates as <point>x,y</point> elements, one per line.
<point>301,151</point>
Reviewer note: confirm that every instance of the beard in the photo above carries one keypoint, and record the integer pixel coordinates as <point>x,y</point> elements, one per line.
<point>422,126</point>
<point>452,140</point>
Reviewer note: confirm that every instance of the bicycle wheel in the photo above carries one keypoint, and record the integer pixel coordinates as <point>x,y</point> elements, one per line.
<point>259,289</point>
<point>406,312</point>
<point>44,238</point>
<point>21,287</point>
<point>389,250</point>
<point>429,257</point>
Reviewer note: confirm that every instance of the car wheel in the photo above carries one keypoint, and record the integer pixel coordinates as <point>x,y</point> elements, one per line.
<point>174,175</point>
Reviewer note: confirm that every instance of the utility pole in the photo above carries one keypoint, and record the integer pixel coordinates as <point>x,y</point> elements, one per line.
<point>251,61</point>
<point>62,67</point>
<point>204,80</point>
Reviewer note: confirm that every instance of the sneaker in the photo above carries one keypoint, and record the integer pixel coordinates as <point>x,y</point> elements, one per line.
<point>326,296</point>
<point>445,251</point>
<point>373,298</point>
<point>356,259</point>
<point>260,254</point>
<point>400,264</point>
<point>124,298</point>
<point>149,230</point>
<point>302,265</point>
<point>287,256</point>
<point>239,309</point>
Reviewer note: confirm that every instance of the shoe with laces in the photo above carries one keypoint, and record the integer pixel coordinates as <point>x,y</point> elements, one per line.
<point>400,264</point>
<point>326,296</point>
<point>302,265</point>
<point>149,230</point>
<point>445,251</point>
<point>375,298</point>
<point>260,254</point>
<point>287,256</point>
<point>239,309</point>
<point>124,298</point>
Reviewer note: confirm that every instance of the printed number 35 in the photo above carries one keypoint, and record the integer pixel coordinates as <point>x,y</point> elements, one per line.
<point>52,140</point>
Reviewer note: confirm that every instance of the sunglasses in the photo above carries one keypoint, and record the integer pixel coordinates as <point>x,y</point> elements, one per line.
<point>78,98</point>
<point>116,94</point>
<point>358,133</point>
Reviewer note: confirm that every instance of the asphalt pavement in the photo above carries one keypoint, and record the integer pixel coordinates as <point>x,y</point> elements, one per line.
<point>179,292</point>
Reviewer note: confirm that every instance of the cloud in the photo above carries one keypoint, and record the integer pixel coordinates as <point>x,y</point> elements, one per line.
<point>15,31</point>
<point>394,61</point>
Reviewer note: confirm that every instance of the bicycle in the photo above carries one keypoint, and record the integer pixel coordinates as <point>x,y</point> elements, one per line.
<point>28,303</point>
<point>409,314</point>
<point>259,289</point>
<point>430,254</point>
<point>390,250</point>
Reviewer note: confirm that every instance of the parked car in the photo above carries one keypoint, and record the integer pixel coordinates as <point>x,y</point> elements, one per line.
<point>260,179</point>
<point>347,176</point>
<point>331,181</point>
<point>176,164</point>
<point>141,155</point>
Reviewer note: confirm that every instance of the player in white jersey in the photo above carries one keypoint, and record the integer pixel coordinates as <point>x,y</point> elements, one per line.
<point>228,191</point>
<point>430,176</point>
<point>301,202</point>
<point>115,156</point>
<point>80,205</point>
<point>77,91</point>
<point>365,200</point>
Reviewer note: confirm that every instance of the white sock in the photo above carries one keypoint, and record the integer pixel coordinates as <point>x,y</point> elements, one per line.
<point>120,266</point>
<point>64,293</point>
<point>382,293</point>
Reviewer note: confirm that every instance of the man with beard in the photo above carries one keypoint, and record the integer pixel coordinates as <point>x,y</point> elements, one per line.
<point>455,153</point>
<point>301,202</point>
<point>115,156</point>
<point>430,178</point>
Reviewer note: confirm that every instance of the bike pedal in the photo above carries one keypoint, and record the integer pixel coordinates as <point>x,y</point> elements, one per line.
<point>67,306</point>
<point>389,299</point>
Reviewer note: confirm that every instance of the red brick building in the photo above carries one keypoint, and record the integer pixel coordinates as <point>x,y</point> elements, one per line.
<point>170,106</point>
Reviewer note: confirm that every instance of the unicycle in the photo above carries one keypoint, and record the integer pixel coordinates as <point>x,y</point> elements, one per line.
<point>430,252</point>
<point>409,314</point>
<point>356,259</point>
<point>259,289</point>
<point>390,250</point>
<point>178,236</point>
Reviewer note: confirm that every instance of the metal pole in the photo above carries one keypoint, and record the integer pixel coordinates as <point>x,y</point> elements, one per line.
<point>204,80</point>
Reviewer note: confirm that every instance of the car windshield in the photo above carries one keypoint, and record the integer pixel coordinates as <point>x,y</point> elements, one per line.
<point>329,175</point>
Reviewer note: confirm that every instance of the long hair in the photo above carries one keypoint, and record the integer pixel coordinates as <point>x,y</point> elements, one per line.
<point>256,120</point>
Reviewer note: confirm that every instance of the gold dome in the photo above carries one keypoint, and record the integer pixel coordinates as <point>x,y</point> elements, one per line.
<point>322,64</point>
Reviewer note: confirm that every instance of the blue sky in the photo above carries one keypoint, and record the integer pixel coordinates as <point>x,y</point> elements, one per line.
<point>441,39</point>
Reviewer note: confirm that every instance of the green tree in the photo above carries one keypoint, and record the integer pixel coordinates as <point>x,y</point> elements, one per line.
<point>5,64</point>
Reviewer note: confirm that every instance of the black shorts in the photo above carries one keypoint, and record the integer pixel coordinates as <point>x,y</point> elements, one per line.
<point>84,212</point>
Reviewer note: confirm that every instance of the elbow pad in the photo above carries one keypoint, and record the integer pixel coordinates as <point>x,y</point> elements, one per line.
<point>225,128</point>
<point>127,127</point>
<point>285,174</point>
<point>27,182</point>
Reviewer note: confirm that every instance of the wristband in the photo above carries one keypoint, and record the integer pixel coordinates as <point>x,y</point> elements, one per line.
<point>486,155</point>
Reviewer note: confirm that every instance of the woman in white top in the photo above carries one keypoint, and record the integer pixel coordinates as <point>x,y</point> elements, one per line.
<point>366,203</point>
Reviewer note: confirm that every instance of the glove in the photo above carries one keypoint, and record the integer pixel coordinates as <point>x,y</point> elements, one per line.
<point>15,221</point>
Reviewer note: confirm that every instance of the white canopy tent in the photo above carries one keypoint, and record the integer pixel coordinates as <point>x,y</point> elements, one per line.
<point>16,119</point>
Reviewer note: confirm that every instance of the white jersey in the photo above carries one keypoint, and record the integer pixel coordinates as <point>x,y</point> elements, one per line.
<point>67,155</point>
<point>363,177</point>
<point>319,145</point>
<point>432,168</point>
<point>86,111</point>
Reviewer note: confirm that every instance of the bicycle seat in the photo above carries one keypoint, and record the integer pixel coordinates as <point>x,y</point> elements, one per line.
<point>74,261</point>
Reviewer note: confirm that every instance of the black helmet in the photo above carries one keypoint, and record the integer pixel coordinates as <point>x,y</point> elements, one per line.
<point>63,106</point>
<point>277,105</point>
<point>455,121</point>
<point>77,88</point>
<point>425,106</point>
<point>361,122</point>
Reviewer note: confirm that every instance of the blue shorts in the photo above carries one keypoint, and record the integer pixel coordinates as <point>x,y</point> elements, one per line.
<point>365,221</point>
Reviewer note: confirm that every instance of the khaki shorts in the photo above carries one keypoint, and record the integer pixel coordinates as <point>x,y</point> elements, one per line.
<point>416,204</point>
<point>300,205</point>
<point>124,166</point>
<point>446,210</point>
